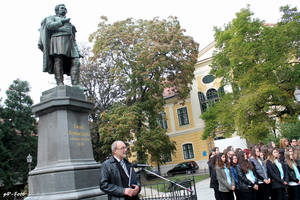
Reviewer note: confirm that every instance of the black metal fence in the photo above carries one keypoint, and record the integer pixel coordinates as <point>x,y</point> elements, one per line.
<point>170,191</point>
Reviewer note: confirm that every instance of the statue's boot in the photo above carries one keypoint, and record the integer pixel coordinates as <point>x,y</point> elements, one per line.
<point>58,71</point>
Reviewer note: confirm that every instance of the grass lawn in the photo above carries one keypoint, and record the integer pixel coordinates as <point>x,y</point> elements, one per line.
<point>163,185</point>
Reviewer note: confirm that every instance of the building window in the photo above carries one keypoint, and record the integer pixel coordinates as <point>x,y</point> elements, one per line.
<point>188,152</point>
<point>212,96</point>
<point>203,102</point>
<point>208,79</point>
<point>183,117</point>
<point>162,120</point>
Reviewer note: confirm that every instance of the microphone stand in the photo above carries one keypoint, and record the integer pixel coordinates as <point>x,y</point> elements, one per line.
<point>170,181</point>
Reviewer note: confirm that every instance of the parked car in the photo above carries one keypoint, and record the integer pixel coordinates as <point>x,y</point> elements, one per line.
<point>188,167</point>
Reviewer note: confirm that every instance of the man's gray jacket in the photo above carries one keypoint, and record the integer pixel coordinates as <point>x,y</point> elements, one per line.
<point>110,179</point>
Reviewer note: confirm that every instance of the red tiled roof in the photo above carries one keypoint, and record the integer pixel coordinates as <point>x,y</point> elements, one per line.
<point>169,92</point>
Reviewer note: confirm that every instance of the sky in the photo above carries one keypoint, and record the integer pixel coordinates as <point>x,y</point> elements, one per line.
<point>20,21</point>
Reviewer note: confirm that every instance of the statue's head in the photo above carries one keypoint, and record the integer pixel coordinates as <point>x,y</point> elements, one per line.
<point>60,9</point>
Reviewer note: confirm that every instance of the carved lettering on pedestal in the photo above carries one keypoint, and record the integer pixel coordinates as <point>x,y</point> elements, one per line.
<point>77,126</point>
<point>79,134</point>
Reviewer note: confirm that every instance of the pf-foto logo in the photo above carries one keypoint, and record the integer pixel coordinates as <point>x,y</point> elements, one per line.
<point>15,194</point>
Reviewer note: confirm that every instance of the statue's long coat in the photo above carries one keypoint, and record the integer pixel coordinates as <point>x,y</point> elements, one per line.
<point>44,45</point>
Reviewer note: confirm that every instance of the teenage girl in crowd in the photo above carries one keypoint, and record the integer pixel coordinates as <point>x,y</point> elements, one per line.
<point>261,173</point>
<point>213,176</point>
<point>233,166</point>
<point>283,145</point>
<point>278,175</point>
<point>293,175</point>
<point>247,178</point>
<point>271,145</point>
<point>225,179</point>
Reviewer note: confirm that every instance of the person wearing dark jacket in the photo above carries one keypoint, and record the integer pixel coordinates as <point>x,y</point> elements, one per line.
<point>233,170</point>
<point>278,175</point>
<point>297,156</point>
<point>115,173</point>
<point>247,179</point>
<point>213,176</point>
<point>293,175</point>
<point>260,169</point>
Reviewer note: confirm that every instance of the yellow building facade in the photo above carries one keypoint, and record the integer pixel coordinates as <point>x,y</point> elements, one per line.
<point>182,120</point>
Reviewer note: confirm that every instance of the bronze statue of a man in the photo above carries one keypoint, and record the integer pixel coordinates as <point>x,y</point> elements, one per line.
<point>60,51</point>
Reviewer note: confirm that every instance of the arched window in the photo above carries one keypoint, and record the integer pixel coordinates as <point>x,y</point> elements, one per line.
<point>202,101</point>
<point>188,152</point>
<point>212,96</point>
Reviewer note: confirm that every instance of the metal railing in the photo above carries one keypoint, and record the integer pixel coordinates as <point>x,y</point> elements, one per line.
<point>170,191</point>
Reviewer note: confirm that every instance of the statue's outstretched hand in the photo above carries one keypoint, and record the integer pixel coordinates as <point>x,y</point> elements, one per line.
<point>66,20</point>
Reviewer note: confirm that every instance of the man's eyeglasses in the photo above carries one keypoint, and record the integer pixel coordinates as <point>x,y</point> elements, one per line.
<point>122,148</point>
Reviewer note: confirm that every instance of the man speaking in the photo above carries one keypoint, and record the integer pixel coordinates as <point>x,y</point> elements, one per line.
<point>117,178</point>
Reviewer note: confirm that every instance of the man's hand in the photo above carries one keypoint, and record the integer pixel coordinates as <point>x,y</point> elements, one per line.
<point>132,191</point>
<point>128,192</point>
<point>136,189</point>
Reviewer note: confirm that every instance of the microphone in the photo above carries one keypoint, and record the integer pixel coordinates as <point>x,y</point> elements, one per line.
<point>140,165</point>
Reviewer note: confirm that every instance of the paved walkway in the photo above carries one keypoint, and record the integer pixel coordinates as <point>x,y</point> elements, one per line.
<point>203,190</point>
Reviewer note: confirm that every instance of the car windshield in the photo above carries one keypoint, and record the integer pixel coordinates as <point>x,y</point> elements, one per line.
<point>181,165</point>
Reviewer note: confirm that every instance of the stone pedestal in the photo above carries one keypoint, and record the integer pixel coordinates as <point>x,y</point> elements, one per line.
<point>66,168</point>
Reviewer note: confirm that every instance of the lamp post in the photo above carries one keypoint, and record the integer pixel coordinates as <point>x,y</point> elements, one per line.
<point>29,161</point>
<point>297,96</point>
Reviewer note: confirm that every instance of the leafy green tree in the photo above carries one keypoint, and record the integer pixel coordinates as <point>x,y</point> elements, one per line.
<point>102,91</point>
<point>5,155</point>
<point>261,62</point>
<point>217,122</point>
<point>117,124</point>
<point>290,130</point>
<point>145,56</point>
<point>18,134</point>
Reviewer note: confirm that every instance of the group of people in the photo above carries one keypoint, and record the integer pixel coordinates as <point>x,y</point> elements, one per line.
<point>262,172</point>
